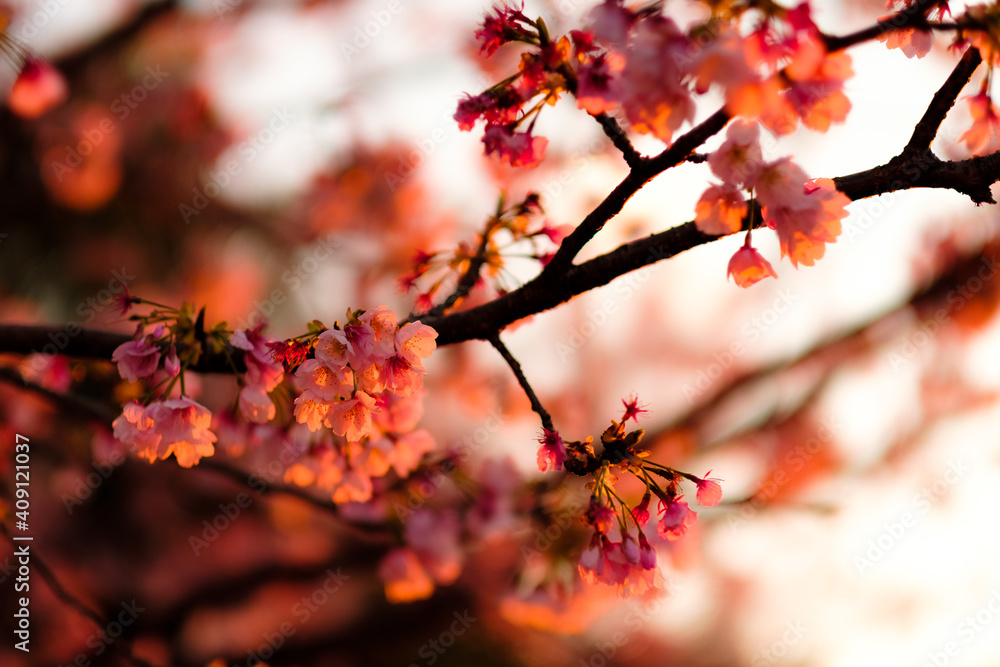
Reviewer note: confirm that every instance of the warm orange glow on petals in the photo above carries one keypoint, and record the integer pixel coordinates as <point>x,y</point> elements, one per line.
<point>748,266</point>
<point>720,210</point>
<point>912,42</point>
<point>982,137</point>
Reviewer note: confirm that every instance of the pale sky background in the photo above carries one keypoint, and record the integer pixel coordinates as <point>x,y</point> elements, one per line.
<point>800,567</point>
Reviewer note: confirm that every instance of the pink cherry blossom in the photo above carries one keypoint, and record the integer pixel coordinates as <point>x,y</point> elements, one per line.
<point>324,382</point>
<point>186,429</point>
<point>599,86</point>
<point>331,348</point>
<point>647,555</point>
<point>641,511</point>
<point>355,487</point>
<point>137,358</point>
<point>172,364</point>
<point>709,492</point>
<point>398,414</point>
<point>518,149</point>
<point>434,537</point>
<point>382,323</point>
<point>352,418</point>
<point>552,453</point>
<point>400,377</point>
<point>655,99</point>
<point>747,266</point>
<point>720,210</point>
<point>610,23</point>
<point>415,342</point>
<point>311,410</point>
<point>739,159</point>
<point>136,430</point>
<point>984,135</point>
<point>262,370</point>
<point>676,518</point>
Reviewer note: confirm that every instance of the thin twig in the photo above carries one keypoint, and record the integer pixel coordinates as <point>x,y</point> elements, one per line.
<point>39,565</point>
<point>618,137</point>
<point>469,279</point>
<point>515,366</point>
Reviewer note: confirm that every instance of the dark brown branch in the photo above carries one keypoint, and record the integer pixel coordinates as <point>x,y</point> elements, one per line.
<point>561,280</point>
<point>927,127</point>
<point>646,170</point>
<point>971,177</point>
<point>614,132</point>
<point>471,277</point>
<point>515,367</point>
<point>122,645</point>
<point>79,406</point>
<point>76,342</point>
<point>913,16</point>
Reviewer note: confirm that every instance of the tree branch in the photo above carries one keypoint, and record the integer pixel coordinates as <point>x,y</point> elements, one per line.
<point>927,127</point>
<point>122,646</point>
<point>561,280</point>
<point>515,366</point>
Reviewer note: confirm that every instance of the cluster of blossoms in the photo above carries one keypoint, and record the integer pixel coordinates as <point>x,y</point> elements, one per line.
<point>364,384</point>
<point>643,63</point>
<point>614,556</point>
<point>169,421</point>
<point>507,230</point>
<point>805,213</point>
<point>776,74</point>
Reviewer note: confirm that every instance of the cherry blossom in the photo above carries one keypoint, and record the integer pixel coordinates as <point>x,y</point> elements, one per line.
<point>676,517</point>
<point>137,359</point>
<point>984,135</point>
<point>747,266</point>
<point>552,453</point>
<point>720,210</point>
<point>709,492</point>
